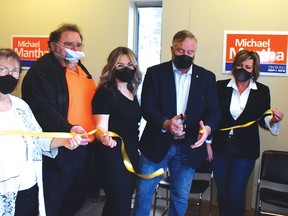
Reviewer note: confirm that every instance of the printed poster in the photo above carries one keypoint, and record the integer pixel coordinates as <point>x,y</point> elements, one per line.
<point>271,47</point>
<point>29,48</point>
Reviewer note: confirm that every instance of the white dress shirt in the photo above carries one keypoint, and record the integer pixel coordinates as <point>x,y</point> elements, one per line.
<point>239,101</point>
<point>182,84</point>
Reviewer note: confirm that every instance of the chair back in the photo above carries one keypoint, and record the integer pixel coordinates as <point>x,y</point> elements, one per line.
<point>274,166</point>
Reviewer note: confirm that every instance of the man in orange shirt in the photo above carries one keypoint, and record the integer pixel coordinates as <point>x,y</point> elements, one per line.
<point>59,90</point>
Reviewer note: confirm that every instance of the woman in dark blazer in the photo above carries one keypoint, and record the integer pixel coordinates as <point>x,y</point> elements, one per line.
<point>242,100</point>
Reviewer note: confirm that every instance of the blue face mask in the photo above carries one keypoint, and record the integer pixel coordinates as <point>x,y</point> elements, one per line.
<point>70,55</point>
<point>73,56</point>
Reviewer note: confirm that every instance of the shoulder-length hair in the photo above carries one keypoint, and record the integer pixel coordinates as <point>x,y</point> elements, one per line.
<point>244,55</point>
<point>108,79</point>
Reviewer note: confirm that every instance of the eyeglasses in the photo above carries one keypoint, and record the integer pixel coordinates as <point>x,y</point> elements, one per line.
<point>121,66</point>
<point>71,45</point>
<point>5,71</point>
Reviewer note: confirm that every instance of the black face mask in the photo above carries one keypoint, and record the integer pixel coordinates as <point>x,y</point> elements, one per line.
<point>7,84</point>
<point>125,75</point>
<point>182,61</point>
<point>242,75</point>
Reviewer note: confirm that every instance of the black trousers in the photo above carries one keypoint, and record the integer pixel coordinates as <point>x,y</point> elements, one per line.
<point>27,202</point>
<point>66,187</point>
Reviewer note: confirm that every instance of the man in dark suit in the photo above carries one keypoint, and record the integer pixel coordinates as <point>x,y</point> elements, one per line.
<point>179,102</point>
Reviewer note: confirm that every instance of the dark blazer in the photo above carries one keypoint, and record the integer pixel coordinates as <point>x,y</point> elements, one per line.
<point>158,102</point>
<point>246,139</point>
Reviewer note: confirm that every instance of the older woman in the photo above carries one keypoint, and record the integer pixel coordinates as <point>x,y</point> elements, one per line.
<point>242,100</point>
<point>21,156</point>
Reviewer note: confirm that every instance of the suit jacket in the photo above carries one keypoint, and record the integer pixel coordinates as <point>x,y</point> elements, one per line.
<point>246,140</point>
<point>158,102</point>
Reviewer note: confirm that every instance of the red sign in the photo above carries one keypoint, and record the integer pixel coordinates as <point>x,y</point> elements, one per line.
<point>30,48</point>
<point>271,47</point>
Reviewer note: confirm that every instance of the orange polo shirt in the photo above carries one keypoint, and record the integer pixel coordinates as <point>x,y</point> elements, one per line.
<point>81,91</point>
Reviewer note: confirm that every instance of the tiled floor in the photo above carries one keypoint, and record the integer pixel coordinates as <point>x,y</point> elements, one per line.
<point>94,208</point>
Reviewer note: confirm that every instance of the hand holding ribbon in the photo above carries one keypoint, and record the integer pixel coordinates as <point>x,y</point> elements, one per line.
<point>126,159</point>
<point>277,116</point>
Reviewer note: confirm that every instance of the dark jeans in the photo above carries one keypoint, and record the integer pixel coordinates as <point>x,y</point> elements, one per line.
<point>27,202</point>
<point>231,177</point>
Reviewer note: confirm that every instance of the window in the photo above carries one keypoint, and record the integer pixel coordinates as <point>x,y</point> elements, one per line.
<point>145,27</point>
<point>147,34</point>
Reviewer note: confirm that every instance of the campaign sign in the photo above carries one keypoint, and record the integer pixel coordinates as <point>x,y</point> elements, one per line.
<point>30,48</point>
<point>271,47</point>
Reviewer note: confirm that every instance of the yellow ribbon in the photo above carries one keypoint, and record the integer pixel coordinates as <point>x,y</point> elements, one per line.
<point>126,159</point>
<point>39,134</point>
<point>128,163</point>
<point>243,125</point>
<point>248,123</point>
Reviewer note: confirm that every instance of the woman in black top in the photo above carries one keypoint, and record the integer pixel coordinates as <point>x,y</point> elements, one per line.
<point>242,100</point>
<point>116,109</point>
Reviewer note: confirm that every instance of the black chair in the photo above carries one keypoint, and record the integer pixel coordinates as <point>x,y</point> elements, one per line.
<point>203,179</point>
<point>273,169</point>
<point>202,183</point>
<point>165,184</point>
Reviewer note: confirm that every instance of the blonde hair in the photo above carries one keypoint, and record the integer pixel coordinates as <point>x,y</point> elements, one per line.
<point>108,79</point>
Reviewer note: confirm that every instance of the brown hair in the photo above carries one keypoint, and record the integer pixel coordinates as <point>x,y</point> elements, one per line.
<point>8,53</point>
<point>244,55</point>
<point>55,35</point>
<point>108,79</point>
<point>182,35</point>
